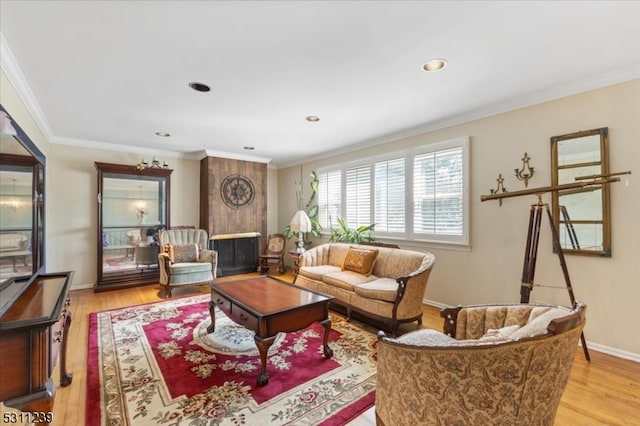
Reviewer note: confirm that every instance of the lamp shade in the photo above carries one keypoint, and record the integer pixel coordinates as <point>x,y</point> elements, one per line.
<point>300,222</point>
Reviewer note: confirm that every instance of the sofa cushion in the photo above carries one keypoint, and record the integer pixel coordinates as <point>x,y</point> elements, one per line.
<point>425,337</point>
<point>380,289</point>
<point>190,267</point>
<point>180,253</point>
<point>317,272</point>
<point>347,279</point>
<point>474,322</point>
<point>539,325</point>
<point>360,260</point>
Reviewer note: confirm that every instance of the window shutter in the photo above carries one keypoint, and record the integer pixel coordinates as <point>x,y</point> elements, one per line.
<point>329,198</point>
<point>389,196</point>
<point>438,193</point>
<point>358,196</point>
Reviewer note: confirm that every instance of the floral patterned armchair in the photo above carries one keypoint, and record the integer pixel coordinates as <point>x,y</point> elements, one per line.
<point>494,364</point>
<point>185,260</point>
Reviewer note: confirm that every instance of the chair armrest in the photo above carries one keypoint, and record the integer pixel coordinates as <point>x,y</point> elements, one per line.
<point>210,256</point>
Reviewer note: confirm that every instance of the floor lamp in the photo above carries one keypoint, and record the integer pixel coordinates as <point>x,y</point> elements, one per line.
<point>300,223</point>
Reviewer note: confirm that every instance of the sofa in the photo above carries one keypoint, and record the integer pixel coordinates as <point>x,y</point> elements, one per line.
<point>382,283</point>
<point>492,364</point>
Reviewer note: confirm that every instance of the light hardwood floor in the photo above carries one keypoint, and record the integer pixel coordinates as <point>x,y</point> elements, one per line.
<point>603,392</point>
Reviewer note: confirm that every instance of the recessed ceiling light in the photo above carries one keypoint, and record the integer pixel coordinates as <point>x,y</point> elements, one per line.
<point>199,87</point>
<point>163,134</point>
<point>312,118</point>
<point>434,65</point>
<point>248,148</point>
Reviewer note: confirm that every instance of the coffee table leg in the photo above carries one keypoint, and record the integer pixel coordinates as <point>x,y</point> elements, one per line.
<point>212,313</point>
<point>328,352</point>
<point>263,347</point>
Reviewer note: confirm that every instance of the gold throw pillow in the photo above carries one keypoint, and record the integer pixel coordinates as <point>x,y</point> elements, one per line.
<point>360,260</point>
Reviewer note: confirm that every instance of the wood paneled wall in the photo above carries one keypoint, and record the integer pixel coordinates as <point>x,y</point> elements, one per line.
<point>218,218</point>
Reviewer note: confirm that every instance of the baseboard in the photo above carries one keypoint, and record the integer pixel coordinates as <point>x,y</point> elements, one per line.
<point>618,353</point>
<point>82,286</point>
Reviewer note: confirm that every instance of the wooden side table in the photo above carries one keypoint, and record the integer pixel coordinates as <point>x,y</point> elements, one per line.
<point>295,258</point>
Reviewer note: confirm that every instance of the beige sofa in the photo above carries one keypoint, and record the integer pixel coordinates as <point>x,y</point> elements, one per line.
<point>382,283</point>
<point>493,364</point>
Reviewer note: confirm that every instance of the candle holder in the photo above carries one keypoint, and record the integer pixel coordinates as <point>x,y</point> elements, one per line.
<point>499,188</point>
<point>521,174</point>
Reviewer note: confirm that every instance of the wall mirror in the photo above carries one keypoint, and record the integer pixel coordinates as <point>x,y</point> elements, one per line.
<point>133,206</point>
<point>21,203</point>
<point>581,215</point>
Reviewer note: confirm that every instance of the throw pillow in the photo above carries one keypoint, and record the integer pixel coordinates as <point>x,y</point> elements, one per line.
<point>180,253</point>
<point>360,260</point>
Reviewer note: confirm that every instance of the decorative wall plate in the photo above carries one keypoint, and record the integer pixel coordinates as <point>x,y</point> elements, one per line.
<point>237,191</point>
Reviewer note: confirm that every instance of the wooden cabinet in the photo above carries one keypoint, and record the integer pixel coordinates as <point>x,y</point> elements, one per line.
<point>34,325</point>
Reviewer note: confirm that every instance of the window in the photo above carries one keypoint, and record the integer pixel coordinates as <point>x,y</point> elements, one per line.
<point>438,193</point>
<point>358,192</point>
<point>389,193</point>
<point>329,198</point>
<point>419,194</point>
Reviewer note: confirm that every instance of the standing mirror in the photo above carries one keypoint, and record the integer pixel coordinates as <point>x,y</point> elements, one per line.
<point>21,203</point>
<point>133,206</point>
<point>581,215</point>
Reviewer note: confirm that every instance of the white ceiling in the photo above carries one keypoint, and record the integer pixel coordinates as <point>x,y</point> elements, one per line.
<point>109,74</point>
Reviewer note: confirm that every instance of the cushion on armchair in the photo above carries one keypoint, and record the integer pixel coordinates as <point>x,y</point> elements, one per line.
<point>183,253</point>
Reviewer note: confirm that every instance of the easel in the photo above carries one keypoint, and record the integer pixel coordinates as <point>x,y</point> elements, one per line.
<point>533,235</point>
<point>531,254</point>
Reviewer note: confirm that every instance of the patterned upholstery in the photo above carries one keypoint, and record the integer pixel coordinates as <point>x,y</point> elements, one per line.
<point>191,266</point>
<point>429,378</point>
<point>384,283</point>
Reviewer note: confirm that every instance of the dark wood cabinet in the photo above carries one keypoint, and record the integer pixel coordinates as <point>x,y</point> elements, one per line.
<point>34,325</point>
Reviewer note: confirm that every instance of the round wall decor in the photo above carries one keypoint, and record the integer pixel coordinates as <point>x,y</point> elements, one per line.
<point>237,191</point>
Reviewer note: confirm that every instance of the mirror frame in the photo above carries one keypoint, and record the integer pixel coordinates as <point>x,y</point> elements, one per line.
<point>37,162</point>
<point>603,133</point>
<point>135,277</point>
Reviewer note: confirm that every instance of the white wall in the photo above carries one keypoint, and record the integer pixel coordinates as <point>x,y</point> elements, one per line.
<point>73,208</point>
<point>491,270</point>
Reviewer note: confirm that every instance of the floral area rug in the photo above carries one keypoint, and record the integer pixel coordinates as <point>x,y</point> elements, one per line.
<point>156,364</point>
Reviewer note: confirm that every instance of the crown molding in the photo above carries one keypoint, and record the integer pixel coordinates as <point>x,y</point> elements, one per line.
<point>17,79</point>
<point>232,156</point>
<point>91,144</point>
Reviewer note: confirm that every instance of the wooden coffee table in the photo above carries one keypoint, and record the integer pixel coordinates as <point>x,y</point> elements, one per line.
<point>269,306</point>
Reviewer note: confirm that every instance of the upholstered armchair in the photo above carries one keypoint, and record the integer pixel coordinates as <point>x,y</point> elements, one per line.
<point>185,260</point>
<point>494,364</point>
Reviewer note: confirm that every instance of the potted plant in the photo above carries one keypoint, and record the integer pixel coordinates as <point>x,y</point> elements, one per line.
<point>343,234</point>
<point>310,210</point>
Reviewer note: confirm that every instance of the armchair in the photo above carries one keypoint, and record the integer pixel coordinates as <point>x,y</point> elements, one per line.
<point>499,364</point>
<point>273,253</point>
<point>185,260</point>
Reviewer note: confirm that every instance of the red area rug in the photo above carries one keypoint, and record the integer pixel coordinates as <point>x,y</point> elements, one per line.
<point>156,364</point>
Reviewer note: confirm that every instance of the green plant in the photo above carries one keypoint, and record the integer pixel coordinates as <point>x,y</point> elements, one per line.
<point>343,234</point>
<point>309,209</point>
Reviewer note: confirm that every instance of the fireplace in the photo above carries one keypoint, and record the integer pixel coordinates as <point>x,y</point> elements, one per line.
<point>237,253</point>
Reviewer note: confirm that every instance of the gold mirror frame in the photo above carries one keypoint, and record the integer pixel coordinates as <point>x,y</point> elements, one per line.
<point>581,216</point>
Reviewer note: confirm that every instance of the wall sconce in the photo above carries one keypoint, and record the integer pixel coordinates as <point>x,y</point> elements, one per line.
<point>155,164</point>
<point>521,174</point>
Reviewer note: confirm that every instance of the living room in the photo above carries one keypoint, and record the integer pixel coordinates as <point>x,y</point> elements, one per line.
<point>485,270</point>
